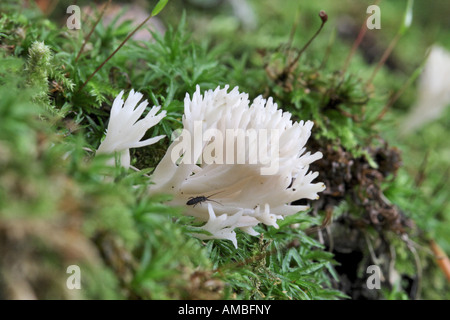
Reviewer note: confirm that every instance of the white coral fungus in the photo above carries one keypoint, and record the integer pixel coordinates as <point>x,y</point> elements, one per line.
<point>125,131</point>
<point>223,183</point>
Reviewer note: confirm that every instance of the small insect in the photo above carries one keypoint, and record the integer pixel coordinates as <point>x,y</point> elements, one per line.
<point>193,201</point>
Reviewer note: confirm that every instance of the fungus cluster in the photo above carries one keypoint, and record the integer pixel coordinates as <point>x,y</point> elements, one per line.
<point>235,163</point>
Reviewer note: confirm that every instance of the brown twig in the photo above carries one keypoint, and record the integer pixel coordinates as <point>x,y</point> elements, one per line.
<point>92,30</point>
<point>115,51</point>
<point>441,258</point>
<point>420,176</point>
<point>324,17</point>
<point>384,57</point>
<point>399,93</point>
<point>356,43</point>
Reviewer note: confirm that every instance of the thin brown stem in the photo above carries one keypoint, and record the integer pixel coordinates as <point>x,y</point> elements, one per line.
<point>441,258</point>
<point>383,59</point>
<point>92,30</point>
<point>115,51</point>
<point>323,16</point>
<point>400,92</point>
<point>356,43</point>
<point>420,176</point>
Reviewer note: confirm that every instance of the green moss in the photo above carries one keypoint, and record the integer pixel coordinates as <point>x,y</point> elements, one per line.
<point>73,209</point>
